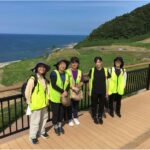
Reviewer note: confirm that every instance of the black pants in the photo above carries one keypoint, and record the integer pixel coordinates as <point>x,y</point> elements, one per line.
<point>115,98</point>
<point>57,112</point>
<point>97,104</point>
<point>73,109</point>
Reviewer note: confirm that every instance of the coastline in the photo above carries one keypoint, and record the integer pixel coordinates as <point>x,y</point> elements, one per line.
<point>69,46</point>
<point>3,64</point>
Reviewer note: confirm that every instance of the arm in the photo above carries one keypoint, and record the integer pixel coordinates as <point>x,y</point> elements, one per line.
<point>53,78</point>
<point>89,75</point>
<point>29,88</point>
<point>125,79</point>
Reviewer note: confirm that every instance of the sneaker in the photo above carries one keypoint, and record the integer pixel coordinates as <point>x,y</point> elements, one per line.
<point>45,135</point>
<point>76,121</point>
<point>61,130</point>
<point>95,120</point>
<point>118,114</point>
<point>57,131</point>
<point>71,123</point>
<point>112,114</point>
<point>100,121</point>
<point>34,141</point>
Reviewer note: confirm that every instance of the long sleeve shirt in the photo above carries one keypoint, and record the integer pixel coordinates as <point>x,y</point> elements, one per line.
<point>53,78</point>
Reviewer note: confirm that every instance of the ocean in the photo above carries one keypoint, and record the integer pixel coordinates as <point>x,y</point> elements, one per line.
<point>23,46</point>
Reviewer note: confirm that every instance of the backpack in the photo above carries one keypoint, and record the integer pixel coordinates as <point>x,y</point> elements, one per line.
<point>23,88</point>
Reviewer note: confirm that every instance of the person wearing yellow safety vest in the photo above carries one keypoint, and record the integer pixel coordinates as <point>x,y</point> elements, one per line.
<point>98,89</point>
<point>76,83</point>
<point>117,84</point>
<point>37,100</point>
<point>59,87</point>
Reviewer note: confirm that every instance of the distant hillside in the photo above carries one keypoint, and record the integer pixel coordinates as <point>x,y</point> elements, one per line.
<point>134,25</point>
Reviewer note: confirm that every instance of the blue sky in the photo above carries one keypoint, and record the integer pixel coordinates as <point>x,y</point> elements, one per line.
<point>60,17</point>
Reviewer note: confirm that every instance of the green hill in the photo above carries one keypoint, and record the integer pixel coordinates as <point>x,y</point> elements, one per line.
<point>129,27</point>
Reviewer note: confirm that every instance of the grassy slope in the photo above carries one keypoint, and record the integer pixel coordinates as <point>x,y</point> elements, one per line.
<point>20,71</point>
<point>132,42</point>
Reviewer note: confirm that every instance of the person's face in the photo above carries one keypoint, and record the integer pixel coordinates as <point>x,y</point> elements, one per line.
<point>98,64</point>
<point>74,65</point>
<point>117,64</point>
<point>62,66</point>
<point>41,70</point>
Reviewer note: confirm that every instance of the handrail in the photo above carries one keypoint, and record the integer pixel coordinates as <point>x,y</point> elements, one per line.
<point>18,86</point>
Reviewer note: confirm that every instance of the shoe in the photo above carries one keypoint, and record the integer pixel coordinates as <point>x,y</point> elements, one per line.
<point>104,115</point>
<point>95,120</point>
<point>118,114</point>
<point>71,123</point>
<point>76,121</point>
<point>61,130</point>
<point>100,120</point>
<point>45,135</point>
<point>57,131</point>
<point>34,141</point>
<point>111,114</point>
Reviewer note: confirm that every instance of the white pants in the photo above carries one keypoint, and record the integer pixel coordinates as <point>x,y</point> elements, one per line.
<point>38,121</point>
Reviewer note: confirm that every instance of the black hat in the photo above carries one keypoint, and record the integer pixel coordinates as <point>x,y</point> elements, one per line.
<point>119,59</point>
<point>62,60</point>
<point>39,64</point>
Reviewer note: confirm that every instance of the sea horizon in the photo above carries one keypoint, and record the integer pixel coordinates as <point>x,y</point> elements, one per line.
<point>14,47</point>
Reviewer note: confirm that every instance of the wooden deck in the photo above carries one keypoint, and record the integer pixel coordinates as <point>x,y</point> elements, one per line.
<point>131,131</point>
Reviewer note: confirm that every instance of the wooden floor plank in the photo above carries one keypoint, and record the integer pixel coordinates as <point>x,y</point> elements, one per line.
<point>114,133</point>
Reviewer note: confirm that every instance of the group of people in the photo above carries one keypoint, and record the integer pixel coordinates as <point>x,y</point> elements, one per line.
<point>65,84</point>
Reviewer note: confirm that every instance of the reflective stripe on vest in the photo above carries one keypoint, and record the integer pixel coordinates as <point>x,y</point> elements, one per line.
<point>116,83</point>
<point>79,77</point>
<point>92,78</point>
<point>72,81</point>
<point>55,96</point>
<point>39,98</point>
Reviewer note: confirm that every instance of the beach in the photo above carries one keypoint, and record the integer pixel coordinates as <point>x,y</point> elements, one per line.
<point>3,64</point>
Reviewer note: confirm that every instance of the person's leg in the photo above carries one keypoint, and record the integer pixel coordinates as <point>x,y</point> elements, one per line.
<point>118,104</point>
<point>111,104</point>
<point>44,118</point>
<point>60,119</point>
<point>55,116</point>
<point>34,124</point>
<point>101,107</point>
<point>94,103</point>
<point>70,117</point>
<point>75,105</point>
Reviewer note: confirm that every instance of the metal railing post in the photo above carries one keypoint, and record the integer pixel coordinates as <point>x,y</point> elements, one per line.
<point>148,79</point>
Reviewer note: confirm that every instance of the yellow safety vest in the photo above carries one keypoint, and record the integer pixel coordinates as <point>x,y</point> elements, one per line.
<point>79,77</point>
<point>55,96</point>
<point>92,78</point>
<point>116,83</point>
<point>72,81</point>
<point>39,98</point>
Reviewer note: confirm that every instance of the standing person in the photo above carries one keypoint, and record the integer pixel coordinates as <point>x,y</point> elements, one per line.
<point>117,84</point>
<point>98,89</point>
<point>59,87</point>
<point>37,99</point>
<point>76,83</point>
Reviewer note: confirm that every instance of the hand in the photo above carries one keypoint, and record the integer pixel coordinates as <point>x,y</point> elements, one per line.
<point>107,95</point>
<point>64,94</point>
<point>75,89</point>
